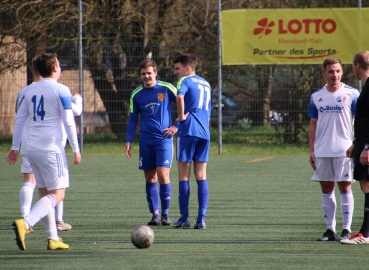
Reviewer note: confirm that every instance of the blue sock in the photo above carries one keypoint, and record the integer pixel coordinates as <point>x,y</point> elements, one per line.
<point>152,196</point>
<point>165,192</point>
<point>183,198</point>
<point>203,198</point>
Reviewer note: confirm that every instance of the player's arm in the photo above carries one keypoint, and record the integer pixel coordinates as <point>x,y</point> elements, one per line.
<point>70,129</point>
<point>312,132</point>
<point>180,108</point>
<point>19,122</point>
<point>77,106</point>
<point>131,128</point>
<point>355,96</point>
<point>66,113</point>
<point>169,132</point>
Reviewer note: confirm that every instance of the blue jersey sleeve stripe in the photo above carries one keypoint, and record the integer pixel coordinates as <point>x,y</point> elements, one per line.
<point>313,111</point>
<point>138,89</point>
<point>354,101</point>
<point>66,102</point>
<point>18,103</point>
<point>65,98</point>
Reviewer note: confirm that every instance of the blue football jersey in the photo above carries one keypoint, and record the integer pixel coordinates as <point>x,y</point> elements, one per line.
<point>153,105</point>
<point>197,101</point>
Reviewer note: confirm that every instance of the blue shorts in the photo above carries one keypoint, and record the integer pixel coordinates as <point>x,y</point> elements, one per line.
<point>153,156</point>
<point>191,148</point>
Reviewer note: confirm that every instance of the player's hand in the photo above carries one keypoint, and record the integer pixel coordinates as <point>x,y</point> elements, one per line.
<point>364,158</point>
<point>12,157</point>
<point>349,151</point>
<point>77,158</point>
<point>169,132</point>
<point>128,150</point>
<point>312,159</point>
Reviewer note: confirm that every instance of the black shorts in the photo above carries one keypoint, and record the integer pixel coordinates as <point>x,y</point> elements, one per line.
<point>360,172</point>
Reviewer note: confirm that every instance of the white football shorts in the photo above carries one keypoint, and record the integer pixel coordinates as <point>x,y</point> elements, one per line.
<point>50,169</point>
<point>334,169</point>
<point>26,167</point>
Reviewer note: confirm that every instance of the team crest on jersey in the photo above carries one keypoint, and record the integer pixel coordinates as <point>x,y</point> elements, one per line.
<point>161,96</point>
<point>341,99</point>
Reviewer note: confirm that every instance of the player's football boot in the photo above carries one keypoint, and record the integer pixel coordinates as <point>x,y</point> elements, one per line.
<point>357,239</point>
<point>345,234</point>
<point>155,221</point>
<point>200,225</point>
<point>63,226</point>
<point>185,224</point>
<point>329,235</point>
<point>52,245</point>
<point>20,231</point>
<point>165,220</point>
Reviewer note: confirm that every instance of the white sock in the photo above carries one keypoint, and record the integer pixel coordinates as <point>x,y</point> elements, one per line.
<point>41,209</point>
<point>50,225</point>
<point>26,197</point>
<point>329,210</point>
<point>59,211</point>
<point>347,209</point>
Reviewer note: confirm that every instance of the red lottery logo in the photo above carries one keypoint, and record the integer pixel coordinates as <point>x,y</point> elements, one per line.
<point>264,27</point>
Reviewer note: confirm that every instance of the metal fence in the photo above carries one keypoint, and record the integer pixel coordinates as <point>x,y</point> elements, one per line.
<point>261,104</point>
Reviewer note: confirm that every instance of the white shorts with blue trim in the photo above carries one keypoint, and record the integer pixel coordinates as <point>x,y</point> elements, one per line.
<point>333,169</point>
<point>50,169</point>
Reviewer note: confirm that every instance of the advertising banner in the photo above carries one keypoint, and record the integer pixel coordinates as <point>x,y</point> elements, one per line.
<point>293,36</point>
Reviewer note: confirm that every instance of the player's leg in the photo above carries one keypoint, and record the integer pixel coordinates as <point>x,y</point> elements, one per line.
<point>342,167</point>
<point>201,157</point>
<point>59,218</point>
<point>185,150</point>
<point>164,157</point>
<point>28,187</point>
<point>184,170</point>
<point>364,184</point>
<point>48,170</point>
<point>324,174</point>
<point>147,163</point>
<point>164,193</point>
<point>152,196</point>
<point>347,208</point>
<point>361,174</point>
<point>362,237</point>
<point>59,208</point>
<point>54,242</point>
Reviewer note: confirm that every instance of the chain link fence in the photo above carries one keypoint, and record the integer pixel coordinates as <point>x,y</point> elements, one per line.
<point>261,104</point>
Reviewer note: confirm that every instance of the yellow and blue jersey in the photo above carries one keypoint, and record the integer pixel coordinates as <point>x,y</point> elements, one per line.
<point>153,105</point>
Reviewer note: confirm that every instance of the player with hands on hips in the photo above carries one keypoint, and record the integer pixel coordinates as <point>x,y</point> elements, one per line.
<point>152,102</point>
<point>193,138</point>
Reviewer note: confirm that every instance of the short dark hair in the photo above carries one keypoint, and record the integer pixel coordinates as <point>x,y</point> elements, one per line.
<point>147,63</point>
<point>34,68</point>
<point>45,63</point>
<point>186,60</point>
<point>362,58</point>
<point>331,61</point>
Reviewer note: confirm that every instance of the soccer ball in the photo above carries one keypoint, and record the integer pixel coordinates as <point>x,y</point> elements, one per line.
<point>142,236</point>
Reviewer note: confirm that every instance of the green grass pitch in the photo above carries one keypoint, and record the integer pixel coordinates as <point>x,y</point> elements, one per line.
<point>264,213</point>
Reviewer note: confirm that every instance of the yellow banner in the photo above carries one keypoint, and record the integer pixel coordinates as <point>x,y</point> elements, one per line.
<point>293,36</point>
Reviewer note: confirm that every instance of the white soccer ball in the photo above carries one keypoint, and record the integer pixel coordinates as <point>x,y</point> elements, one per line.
<point>142,236</point>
